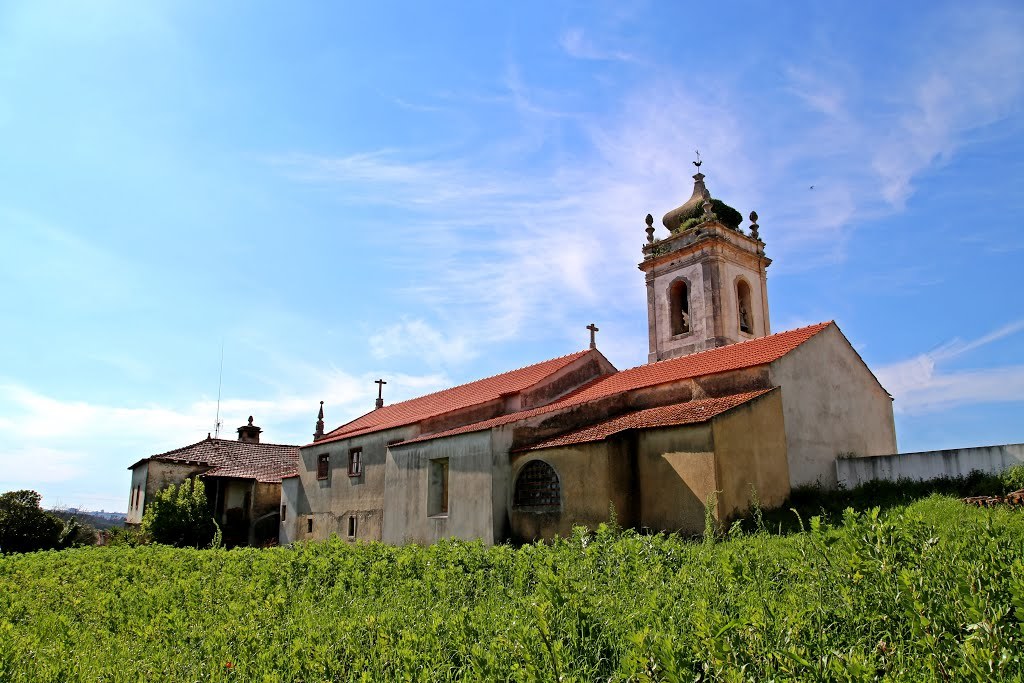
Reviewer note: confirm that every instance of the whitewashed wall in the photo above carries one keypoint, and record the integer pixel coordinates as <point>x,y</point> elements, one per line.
<point>953,462</point>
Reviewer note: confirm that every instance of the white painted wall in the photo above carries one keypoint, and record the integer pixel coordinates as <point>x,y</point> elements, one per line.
<point>953,462</point>
<point>832,406</point>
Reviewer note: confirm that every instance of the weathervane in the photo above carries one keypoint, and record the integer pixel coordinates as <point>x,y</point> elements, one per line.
<point>698,162</point>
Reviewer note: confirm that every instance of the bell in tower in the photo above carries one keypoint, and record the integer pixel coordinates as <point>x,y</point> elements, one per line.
<point>707,281</point>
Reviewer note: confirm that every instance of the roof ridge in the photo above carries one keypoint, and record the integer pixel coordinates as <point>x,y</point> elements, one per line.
<point>738,399</point>
<point>336,431</point>
<point>822,325</point>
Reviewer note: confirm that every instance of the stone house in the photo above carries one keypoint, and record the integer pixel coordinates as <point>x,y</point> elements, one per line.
<point>724,410</point>
<point>242,479</point>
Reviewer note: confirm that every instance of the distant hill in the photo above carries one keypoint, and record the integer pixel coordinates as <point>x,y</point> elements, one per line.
<point>96,519</point>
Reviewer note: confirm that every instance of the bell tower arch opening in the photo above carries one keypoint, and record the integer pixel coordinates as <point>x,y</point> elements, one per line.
<point>679,298</point>
<point>706,280</point>
<point>743,310</point>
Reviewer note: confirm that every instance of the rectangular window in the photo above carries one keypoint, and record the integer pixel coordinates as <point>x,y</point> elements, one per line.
<point>437,497</point>
<point>284,512</point>
<point>352,526</point>
<point>323,465</point>
<point>309,525</point>
<point>355,462</point>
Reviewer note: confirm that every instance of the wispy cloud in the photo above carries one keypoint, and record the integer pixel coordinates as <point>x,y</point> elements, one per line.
<point>974,75</point>
<point>416,337</point>
<point>73,446</point>
<point>921,385</point>
<point>520,251</point>
<point>578,44</point>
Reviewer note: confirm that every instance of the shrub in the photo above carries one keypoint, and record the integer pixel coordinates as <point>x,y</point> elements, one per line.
<point>726,215</point>
<point>1013,478</point>
<point>180,516</point>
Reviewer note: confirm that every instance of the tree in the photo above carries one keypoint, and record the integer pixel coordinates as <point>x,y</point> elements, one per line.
<point>25,526</point>
<point>180,515</point>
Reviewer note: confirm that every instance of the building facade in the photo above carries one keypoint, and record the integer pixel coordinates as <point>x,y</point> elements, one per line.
<point>242,480</point>
<point>723,412</point>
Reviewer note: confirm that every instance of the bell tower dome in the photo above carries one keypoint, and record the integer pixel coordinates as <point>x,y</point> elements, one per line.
<point>707,281</point>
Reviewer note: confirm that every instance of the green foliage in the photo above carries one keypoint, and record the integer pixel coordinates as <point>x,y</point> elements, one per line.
<point>180,516</point>
<point>76,531</point>
<point>725,214</point>
<point>830,504</point>
<point>930,592</point>
<point>1013,478</point>
<point>125,536</point>
<point>25,526</point>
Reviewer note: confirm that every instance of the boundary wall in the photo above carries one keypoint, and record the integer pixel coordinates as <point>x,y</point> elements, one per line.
<point>953,462</point>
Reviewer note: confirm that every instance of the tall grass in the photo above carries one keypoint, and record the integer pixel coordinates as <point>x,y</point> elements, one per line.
<point>930,592</point>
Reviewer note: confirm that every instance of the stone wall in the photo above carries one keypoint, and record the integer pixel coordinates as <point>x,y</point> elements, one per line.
<point>953,462</point>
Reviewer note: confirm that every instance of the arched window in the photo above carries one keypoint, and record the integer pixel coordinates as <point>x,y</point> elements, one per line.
<point>746,313</point>
<point>537,486</point>
<point>679,301</point>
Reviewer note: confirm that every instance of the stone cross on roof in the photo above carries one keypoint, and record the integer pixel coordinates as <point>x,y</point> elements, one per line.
<point>593,329</point>
<point>380,393</point>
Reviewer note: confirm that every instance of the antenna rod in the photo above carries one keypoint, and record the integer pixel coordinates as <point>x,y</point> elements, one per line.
<point>220,383</point>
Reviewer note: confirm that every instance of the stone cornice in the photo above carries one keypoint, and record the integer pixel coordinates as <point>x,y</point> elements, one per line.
<point>699,242</point>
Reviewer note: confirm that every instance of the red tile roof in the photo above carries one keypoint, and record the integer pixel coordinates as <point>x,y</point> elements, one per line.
<point>264,462</point>
<point>746,354</point>
<point>449,400</point>
<point>691,412</point>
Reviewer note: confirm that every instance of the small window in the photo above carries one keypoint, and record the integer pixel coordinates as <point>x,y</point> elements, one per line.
<point>679,300</point>
<point>437,500</point>
<point>355,462</point>
<point>537,486</point>
<point>352,526</point>
<point>323,465</point>
<point>284,512</point>
<point>309,525</point>
<point>743,307</point>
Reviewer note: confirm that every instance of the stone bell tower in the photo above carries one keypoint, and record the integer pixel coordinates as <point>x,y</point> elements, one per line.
<point>706,281</point>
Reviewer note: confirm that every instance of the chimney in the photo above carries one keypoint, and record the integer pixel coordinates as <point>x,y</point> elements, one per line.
<point>319,433</point>
<point>249,433</point>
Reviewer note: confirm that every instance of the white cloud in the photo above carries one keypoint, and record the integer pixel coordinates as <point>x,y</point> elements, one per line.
<point>577,44</point>
<point>920,385</point>
<point>974,76</point>
<point>506,254</point>
<point>416,337</point>
<point>76,449</point>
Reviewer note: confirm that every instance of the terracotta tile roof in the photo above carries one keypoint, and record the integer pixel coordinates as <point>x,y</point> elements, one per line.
<point>746,354</point>
<point>448,400</point>
<point>265,462</point>
<point>691,412</point>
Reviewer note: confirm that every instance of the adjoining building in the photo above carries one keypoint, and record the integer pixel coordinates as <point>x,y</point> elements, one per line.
<point>242,479</point>
<point>723,412</point>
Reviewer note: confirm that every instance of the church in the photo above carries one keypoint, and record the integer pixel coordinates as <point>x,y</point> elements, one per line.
<point>723,413</point>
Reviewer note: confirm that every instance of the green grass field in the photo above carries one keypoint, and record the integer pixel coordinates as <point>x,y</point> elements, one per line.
<point>931,591</point>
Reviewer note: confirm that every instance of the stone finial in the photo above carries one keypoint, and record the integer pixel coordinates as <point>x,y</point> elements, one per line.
<point>650,228</point>
<point>708,214</point>
<point>754,226</point>
<point>250,420</point>
<point>319,433</point>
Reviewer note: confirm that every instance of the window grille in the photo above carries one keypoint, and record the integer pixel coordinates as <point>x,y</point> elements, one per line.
<point>537,486</point>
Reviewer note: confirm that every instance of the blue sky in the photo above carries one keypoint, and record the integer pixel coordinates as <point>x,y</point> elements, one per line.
<point>435,192</point>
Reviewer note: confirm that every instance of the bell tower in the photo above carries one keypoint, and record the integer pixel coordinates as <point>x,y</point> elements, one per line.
<point>707,281</point>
